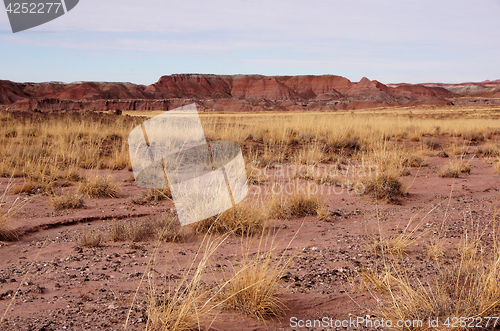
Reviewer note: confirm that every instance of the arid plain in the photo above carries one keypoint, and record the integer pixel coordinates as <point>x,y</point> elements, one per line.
<point>366,201</point>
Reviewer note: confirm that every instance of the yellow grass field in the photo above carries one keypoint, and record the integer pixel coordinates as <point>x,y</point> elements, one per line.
<point>388,212</point>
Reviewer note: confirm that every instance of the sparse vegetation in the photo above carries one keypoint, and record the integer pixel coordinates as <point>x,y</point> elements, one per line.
<point>153,195</point>
<point>89,238</point>
<point>435,250</point>
<point>253,287</point>
<point>27,186</point>
<point>385,186</point>
<point>432,143</point>
<point>297,204</point>
<point>256,176</point>
<point>99,187</point>
<point>361,152</point>
<point>455,168</point>
<point>45,148</point>
<point>414,161</point>
<point>394,245</point>
<point>243,219</point>
<point>164,228</point>
<point>69,201</point>
<point>496,166</point>
<point>7,211</point>
<point>182,306</point>
<point>465,286</point>
<point>488,150</point>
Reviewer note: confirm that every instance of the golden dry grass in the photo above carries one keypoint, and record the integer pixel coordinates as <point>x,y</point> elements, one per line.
<point>26,187</point>
<point>455,149</point>
<point>463,289</point>
<point>66,201</point>
<point>254,288</point>
<point>40,146</point>
<point>496,166</point>
<point>488,150</point>
<point>243,219</point>
<point>187,302</point>
<point>380,280</point>
<point>7,210</point>
<point>89,238</point>
<point>312,173</point>
<point>398,244</point>
<point>385,186</point>
<point>58,147</point>
<point>466,286</point>
<point>164,228</point>
<point>435,250</point>
<point>455,168</point>
<point>256,176</point>
<point>297,204</point>
<point>153,195</point>
<point>394,245</point>
<point>47,147</point>
<point>253,285</point>
<point>99,187</point>
<point>432,143</point>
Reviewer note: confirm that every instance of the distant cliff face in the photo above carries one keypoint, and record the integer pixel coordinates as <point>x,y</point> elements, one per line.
<point>237,93</point>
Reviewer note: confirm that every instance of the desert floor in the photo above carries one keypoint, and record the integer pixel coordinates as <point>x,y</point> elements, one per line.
<point>50,281</point>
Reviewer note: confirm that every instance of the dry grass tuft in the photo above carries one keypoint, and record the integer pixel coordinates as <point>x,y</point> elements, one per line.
<point>118,231</point>
<point>395,245</point>
<point>455,149</point>
<point>310,172</point>
<point>243,219</point>
<point>182,306</point>
<point>473,136</point>
<point>385,186</point>
<point>432,143</point>
<point>380,280</point>
<point>466,286</point>
<point>496,166</point>
<point>163,228</point>
<point>488,150</point>
<point>28,187</point>
<point>311,155</point>
<point>99,187</point>
<point>89,239</point>
<point>455,168</point>
<point>463,289</point>
<point>435,250</point>
<point>70,201</point>
<point>254,287</point>
<point>7,210</point>
<point>174,313</point>
<point>256,176</point>
<point>153,195</point>
<point>414,161</point>
<point>295,205</point>
<point>306,172</point>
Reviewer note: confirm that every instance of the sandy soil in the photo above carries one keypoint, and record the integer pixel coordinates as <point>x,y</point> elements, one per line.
<point>62,286</point>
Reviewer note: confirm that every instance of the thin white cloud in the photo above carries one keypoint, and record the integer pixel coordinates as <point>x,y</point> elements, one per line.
<point>381,37</point>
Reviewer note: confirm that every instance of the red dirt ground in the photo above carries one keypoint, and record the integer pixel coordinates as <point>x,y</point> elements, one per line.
<point>65,287</point>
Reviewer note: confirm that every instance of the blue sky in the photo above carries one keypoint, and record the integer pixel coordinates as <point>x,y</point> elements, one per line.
<point>139,41</point>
